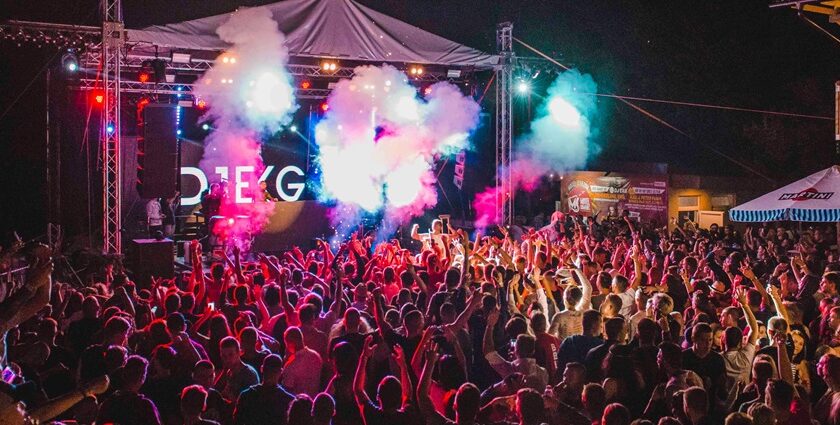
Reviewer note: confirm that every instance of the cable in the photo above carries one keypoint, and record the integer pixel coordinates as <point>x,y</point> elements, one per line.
<point>817,26</point>
<point>710,106</point>
<point>658,119</point>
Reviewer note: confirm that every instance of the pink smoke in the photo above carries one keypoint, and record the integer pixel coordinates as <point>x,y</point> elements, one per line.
<point>525,174</point>
<point>379,142</point>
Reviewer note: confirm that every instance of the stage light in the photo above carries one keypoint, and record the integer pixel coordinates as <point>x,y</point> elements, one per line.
<point>305,85</point>
<point>453,73</point>
<point>205,127</point>
<point>99,97</point>
<point>230,222</point>
<point>325,107</point>
<point>179,89</point>
<point>180,57</point>
<point>293,129</point>
<point>110,128</point>
<point>416,70</point>
<point>144,76</point>
<point>563,112</point>
<point>329,66</point>
<point>178,132</point>
<point>70,62</point>
<point>427,91</point>
<point>201,104</point>
<point>523,87</point>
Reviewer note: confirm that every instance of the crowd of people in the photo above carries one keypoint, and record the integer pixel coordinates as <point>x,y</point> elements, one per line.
<point>580,322</point>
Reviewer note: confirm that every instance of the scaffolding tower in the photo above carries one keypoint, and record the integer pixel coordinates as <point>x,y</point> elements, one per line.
<point>504,124</point>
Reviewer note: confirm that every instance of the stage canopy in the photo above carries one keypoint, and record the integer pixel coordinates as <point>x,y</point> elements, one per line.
<point>342,29</point>
<point>812,199</point>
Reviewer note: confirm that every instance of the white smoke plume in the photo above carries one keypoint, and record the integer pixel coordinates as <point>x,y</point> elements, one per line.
<point>249,93</point>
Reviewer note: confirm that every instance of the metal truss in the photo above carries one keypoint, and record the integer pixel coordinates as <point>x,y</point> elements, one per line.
<point>136,87</point>
<point>504,124</point>
<point>113,44</point>
<point>45,34</point>
<point>134,62</point>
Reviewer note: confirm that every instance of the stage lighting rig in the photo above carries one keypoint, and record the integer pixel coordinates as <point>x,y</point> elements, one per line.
<point>70,61</point>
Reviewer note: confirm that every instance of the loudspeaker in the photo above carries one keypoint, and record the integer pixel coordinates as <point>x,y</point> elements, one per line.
<point>149,258</point>
<point>157,151</point>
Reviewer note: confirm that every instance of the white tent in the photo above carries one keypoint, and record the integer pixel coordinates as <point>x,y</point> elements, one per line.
<point>340,29</point>
<point>812,199</point>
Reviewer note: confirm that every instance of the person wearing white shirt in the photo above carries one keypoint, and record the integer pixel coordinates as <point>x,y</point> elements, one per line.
<point>576,300</point>
<point>154,216</point>
<point>621,287</point>
<point>302,371</point>
<point>643,301</point>
<point>738,355</point>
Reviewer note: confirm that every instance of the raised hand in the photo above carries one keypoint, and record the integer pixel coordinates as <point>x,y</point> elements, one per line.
<point>773,292</point>
<point>432,354</point>
<point>741,295</point>
<point>493,316</point>
<point>369,347</point>
<point>747,271</point>
<point>399,355</point>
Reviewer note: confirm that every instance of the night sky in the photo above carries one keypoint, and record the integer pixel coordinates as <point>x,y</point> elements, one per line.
<point>738,53</point>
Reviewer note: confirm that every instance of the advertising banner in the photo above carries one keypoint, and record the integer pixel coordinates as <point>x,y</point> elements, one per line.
<point>591,193</point>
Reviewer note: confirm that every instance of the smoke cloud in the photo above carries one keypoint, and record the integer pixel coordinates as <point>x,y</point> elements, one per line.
<point>379,140</point>
<point>249,94</point>
<point>559,140</point>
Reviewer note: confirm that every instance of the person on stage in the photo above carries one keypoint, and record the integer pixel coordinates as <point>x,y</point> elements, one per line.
<point>154,216</point>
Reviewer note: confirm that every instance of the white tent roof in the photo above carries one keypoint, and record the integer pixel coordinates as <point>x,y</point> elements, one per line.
<point>328,28</point>
<point>813,198</point>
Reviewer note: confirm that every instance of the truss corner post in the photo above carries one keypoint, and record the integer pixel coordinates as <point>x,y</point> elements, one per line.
<point>504,123</point>
<point>113,44</point>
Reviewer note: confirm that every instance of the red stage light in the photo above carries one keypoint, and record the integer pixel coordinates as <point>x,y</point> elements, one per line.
<point>100,98</point>
<point>201,104</point>
<point>144,77</point>
<point>305,85</point>
<point>142,103</point>
<point>325,107</point>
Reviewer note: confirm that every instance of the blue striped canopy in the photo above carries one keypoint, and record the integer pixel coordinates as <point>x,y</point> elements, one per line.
<point>815,198</point>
